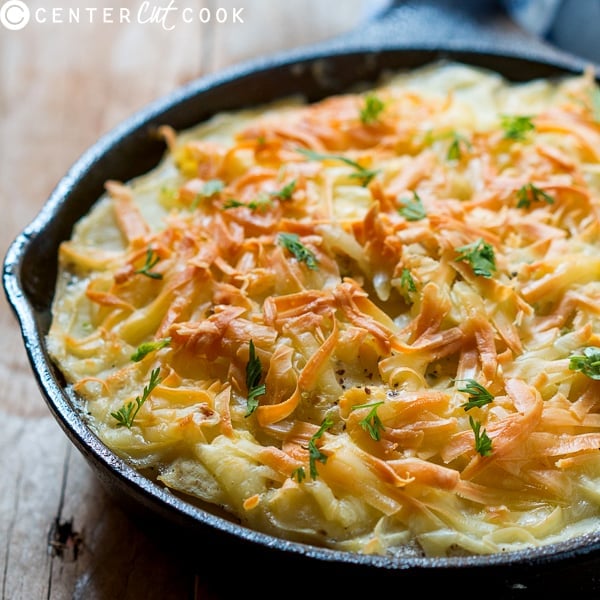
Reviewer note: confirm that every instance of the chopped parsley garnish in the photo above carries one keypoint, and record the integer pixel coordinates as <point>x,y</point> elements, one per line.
<point>372,109</point>
<point>299,474</point>
<point>262,202</point>
<point>285,193</point>
<point>516,127</point>
<point>151,260</point>
<point>364,175</point>
<point>478,395</point>
<point>407,285</point>
<point>588,362</point>
<point>127,413</point>
<point>483,444</point>
<point>454,150</point>
<point>480,255</point>
<point>413,210</point>
<point>314,454</point>
<point>253,376</point>
<point>371,423</point>
<point>312,155</point>
<point>531,192</point>
<point>144,349</point>
<point>232,203</point>
<point>210,188</point>
<point>292,243</point>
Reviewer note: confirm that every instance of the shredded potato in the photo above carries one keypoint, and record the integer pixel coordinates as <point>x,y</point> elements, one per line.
<point>369,323</point>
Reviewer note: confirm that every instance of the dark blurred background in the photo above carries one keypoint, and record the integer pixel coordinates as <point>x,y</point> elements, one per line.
<point>573,25</point>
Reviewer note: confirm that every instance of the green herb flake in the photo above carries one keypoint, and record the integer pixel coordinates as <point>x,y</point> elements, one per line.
<point>212,187</point>
<point>299,474</point>
<point>407,285</point>
<point>151,260</point>
<point>292,243</point>
<point>262,202</point>
<point>516,127</point>
<point>588,362</point>
<point>480,255</point>
<point>364,175</point>
<point>209,188</point>
<point>232,203</point>
<point>371,423</point>
<point>372,109</point>
<point>285,193</point>
<point>478,395</point>
<point>253,376</point>
<point>319,156</point>
<point>127,413</point>
<point>314,454</point>
<point>455,150</point>
<point>413,210</point>
<point>483,444</point>
<point>147,347</point>
<point>531,192</point>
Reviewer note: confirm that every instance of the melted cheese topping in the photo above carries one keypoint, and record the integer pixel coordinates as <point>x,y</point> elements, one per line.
<point>369,323</point>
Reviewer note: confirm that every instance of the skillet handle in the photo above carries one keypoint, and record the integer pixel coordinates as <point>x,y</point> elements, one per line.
<point>481,26</point>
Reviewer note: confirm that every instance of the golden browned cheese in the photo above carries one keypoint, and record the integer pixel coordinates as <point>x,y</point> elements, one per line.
<point>370,323</point>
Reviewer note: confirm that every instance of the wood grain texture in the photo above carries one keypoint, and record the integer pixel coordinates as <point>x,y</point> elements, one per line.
<point>62,86</point>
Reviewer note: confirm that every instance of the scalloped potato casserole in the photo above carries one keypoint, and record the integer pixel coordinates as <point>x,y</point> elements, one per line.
<point>370,323</point>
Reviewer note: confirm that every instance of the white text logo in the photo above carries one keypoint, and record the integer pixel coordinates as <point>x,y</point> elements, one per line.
<point>14,15</point>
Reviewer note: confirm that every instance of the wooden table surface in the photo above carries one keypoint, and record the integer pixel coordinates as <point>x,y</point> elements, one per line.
<point>62,85</point>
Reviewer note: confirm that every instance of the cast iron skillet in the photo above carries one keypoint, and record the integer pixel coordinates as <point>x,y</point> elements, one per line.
<point>408,34</point>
